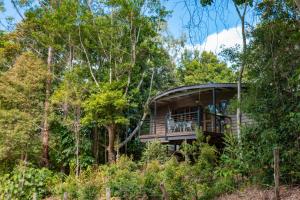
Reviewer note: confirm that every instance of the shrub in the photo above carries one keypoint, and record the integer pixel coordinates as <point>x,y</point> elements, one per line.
<point>88,192</point>
<point>180,180</point>
<point>124,179</point>
<point>87,185</point>
<point>154,151</point>
<point>70,185</point>
<point>152,179</point>
<point>25,180</point>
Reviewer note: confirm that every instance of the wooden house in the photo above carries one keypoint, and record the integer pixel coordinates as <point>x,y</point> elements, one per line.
<point>177,113</point>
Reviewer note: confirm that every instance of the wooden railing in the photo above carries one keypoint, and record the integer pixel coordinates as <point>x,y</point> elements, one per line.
<point>187,122</point>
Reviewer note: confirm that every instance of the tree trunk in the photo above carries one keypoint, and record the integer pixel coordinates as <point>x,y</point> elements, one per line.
<point>77,137</point>
<point>164,191</point>
<point>133,38</point>
<point>45,130</point>
<point>137,128</point>
<point>77,153</point>
<point>111,143</point>
<point>241,71</point>
<point>96,147</point>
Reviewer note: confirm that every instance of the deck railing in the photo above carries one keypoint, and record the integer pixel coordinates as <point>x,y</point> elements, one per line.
<point>186,122</point>
<point>183,122</point>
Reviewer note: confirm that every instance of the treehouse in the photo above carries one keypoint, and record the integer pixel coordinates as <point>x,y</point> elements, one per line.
<point>176,114</point>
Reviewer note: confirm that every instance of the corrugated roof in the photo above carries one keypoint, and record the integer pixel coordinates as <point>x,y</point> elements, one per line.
<point>194,87</point>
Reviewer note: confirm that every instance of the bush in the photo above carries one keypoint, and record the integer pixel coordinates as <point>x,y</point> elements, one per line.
<point>154,151</point>
<point>178,180</point>
<point>25,180</point>
<point>88,192</point>
<point>87,185</point>
<point>152,180</point>
<point>124,179</point>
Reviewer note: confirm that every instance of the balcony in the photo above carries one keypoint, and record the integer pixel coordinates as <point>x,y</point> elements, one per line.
<point>182,126</point>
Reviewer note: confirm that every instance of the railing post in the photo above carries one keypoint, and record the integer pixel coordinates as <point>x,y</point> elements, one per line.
<point>276,172</point>
<point>166,126</point>
<point>198,117</point>
<point>155,117</point>
<point>215,109</point>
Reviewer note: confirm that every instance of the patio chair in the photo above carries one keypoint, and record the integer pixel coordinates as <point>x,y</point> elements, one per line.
<point>172,126</point>
<point>188,126</point>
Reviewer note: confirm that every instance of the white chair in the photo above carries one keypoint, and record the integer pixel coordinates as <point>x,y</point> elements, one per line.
<point>188,126</point>
<point>172,126</point>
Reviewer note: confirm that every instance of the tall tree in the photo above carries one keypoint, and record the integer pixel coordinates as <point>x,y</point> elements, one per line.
<point>69,99</point>
<point>128,55</point>
<point>50,26</point>
<point>21,100</point>
<point>273,96</point>
<point>106,108</point>
<point>204,68</point>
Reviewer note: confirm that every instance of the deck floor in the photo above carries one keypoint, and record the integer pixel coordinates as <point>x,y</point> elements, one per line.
<point>178,137</point>
<point>190,135</point>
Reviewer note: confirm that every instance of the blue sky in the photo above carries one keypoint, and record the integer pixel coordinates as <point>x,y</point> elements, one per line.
<point>212,18</point>
<point>213,26</point>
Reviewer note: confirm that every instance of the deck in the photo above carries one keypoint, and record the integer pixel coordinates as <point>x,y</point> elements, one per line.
<point>176,114</point>
<point>170,137</point>
<point>177,138</point>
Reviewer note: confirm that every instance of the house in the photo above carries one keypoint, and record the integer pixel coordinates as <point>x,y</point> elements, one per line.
<point>177,113</point>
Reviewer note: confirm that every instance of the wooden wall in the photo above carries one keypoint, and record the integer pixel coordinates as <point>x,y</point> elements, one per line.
<point>164,107</point>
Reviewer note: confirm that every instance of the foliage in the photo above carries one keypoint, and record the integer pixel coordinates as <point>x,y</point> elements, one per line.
<point>9,49</point>
<point>204,68</point>
<point>106,106</point>
<point>154,151</point>
<point>124,179</point>
<point>85,186</point>
<point>272,100</point>
<point>152,179</point>
<point>135,149</point>
<point>24,181</point>
<point>21,97</point>
<point>109,58</point>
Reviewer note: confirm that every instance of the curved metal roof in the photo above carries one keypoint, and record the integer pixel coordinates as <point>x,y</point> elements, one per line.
<point>194,87</point>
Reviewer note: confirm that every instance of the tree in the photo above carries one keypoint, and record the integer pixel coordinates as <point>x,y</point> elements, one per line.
<point>106,108</point>
<point>130,54</point>
<point>113,42</point>
<point>21,97</point>
<point>204,68</point>
<point>50,24</point>
<point>273,97</point>
<point>69,99</point>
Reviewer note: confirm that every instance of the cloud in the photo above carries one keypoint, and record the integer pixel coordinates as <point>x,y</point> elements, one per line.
<point>216,41</point>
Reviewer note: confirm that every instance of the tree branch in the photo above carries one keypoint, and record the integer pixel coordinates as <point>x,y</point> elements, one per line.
<point>137,128</point>
<point>87,58</point>
<point>17,9</point>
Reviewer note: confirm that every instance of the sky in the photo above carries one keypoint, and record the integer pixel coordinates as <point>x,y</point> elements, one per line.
<point>210,29</point>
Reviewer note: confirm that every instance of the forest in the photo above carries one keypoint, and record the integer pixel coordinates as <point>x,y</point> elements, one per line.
<point>77,79</point>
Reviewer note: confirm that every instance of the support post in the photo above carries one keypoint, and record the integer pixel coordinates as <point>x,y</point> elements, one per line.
<point>166,128</point>
<point>215,109</point>
<point>198,117</point>
<point>34,196</point>
<point>107,193</point>
<point>155,117</point>
<point>276,172</point>
<point>65,196</point>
